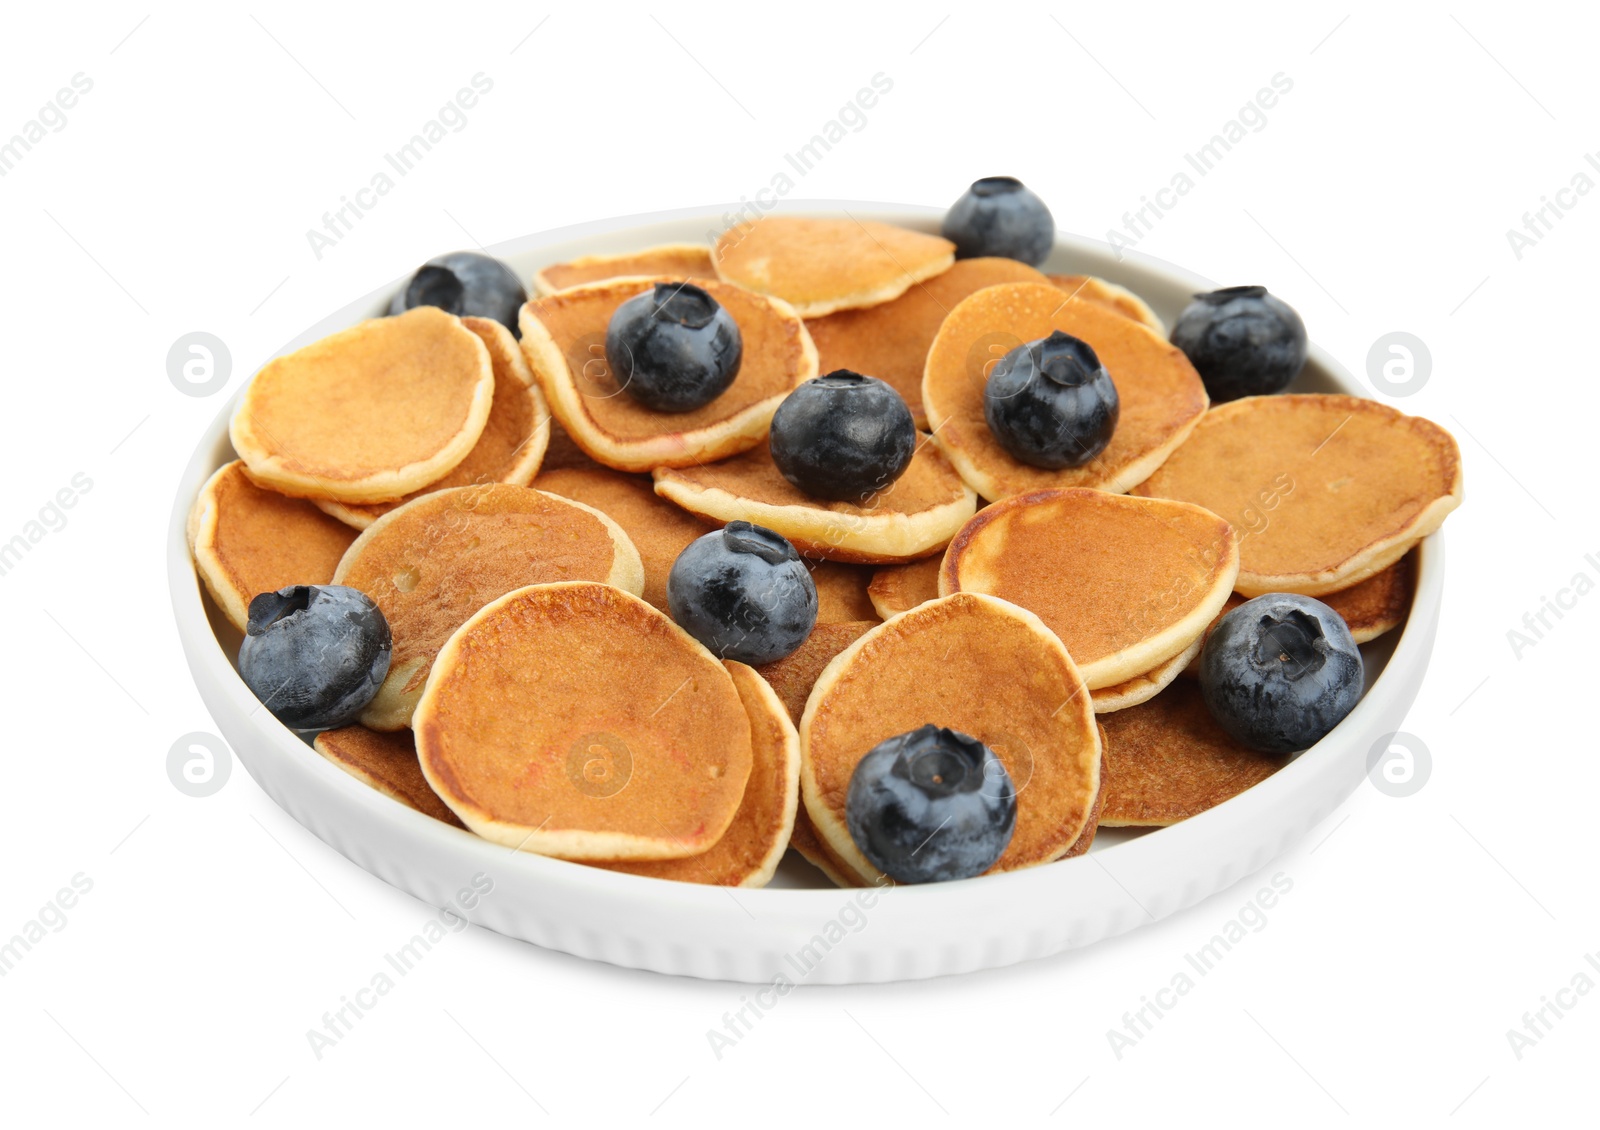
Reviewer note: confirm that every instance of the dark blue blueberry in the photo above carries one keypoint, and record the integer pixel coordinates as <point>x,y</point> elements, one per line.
<point>1050,403</point>
<point>743,592</point>
<point>315,655</point>
<point>843,436</point>
<point>1242,341</point>
<point>931,805</point>
<point>465,282</point>
<point>1000,216</point>
<point>1280,671</point>
<point>673,348</point>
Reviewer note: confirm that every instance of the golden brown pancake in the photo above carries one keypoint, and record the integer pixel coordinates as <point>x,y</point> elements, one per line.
<point>822,265</point>
<point>1167,760</point>
<point>370,413</point>
<point>1144,687</point>
<point>1370,608</point>
<point>842,592</point>
<point>387,762</point>
<point>749,851</point>
<point>577,721</point>
<point>564,452</point>
<point>1127,585</point>
<point>1111,296</point>
<point>680,260</point>
<point>898,588</point>
<point>814,851</point>
<point>793,676</point>
<point>977,665</point>
<point>563,338</point>
<point>248,540</point>
<point>890,341</point>
<point>1324,490</point>
<point>514,437</point>
<point>658,529</point>
<point>433,562</point>
<point>1085,839</point>
<point>1159,393</point>
<point>916,516</point>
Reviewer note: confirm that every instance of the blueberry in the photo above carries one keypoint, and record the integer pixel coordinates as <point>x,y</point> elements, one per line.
<point>930,805</point>
<point>1243,342</point>
<point>843,436</point>
<point>673,348</point>
<point>315,655</point>
<point>1050,403</point>
<point>465,282</point>
<point>1280,671</point>
<point>1000,216</point>
<point>743,592</point>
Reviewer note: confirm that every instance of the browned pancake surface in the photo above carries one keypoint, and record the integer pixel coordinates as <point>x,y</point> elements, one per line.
<point>842,592</point>
<point>254,540</point>
<point>681,260</point>
<point>368,408</point>
<point>748,851</point>
<point>1159,392</point>
<point>820,265</point>
<point>793,676</point>
<point>578,721</point>
<point>1167,760</point>
<point>890,341</point>
<point>387,762</point>
<point>938,664</point>
<point>1324,489</point>
<point>897,588</point>
<point>659,530</point>
<point>514,437</point>
<point>1112,297</point>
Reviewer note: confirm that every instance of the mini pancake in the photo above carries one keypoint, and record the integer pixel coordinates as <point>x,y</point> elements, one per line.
<point>1325,490</point>
<point>387,762</point>
<point>822,265</point>
<point>916,516</point>
<point>577,721</point>
<point>658,529</point>
<point>1111,296</point>
<point>842,592</point>
<point>1085,840</point>
<point>433,562</point>
<point>680,260</point>
<point>814,851</point>
<point>793,676</point>
<point>749,851</point>
<point>248,540</point>
<point>890,341</point>
<point>563,338</point>
<point>1168,760</point>
<point>1160,395</point>
<point>923,667</point>
<point>370,413</point>
<point>899,588</point>
<point>1370,608</point>
<point>1127,583</point>
<point>1142,688</point>
<point>514,438</point>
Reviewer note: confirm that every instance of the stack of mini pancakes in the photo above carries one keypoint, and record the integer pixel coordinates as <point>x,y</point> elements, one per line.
<point>514,513</point>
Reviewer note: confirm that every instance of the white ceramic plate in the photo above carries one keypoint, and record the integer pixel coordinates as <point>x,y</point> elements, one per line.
<point>819,935</point>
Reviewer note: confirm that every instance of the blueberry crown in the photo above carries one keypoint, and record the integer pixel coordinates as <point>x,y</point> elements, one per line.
<point>1229,293</point>
<point>746,537</point>
<point>941,761</point>
<point>842,378</point>
<point>267,608</point>
<point>1294,641</point>
<point>685,304</point>
<point>996,186</point>
<point>1064,359</point>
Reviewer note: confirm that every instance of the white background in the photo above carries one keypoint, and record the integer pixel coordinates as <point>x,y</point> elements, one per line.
<point>1376,198</point>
